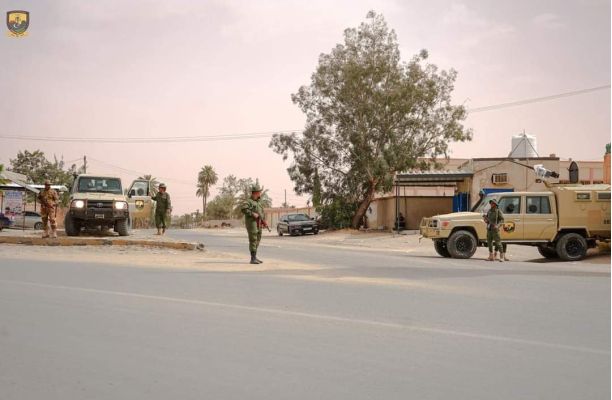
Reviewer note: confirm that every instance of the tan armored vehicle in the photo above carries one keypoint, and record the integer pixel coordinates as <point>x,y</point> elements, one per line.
<point>563,223</point>
<point>97,202</point>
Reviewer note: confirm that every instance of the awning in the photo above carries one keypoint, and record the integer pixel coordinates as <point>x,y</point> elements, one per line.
<point>442,178</point>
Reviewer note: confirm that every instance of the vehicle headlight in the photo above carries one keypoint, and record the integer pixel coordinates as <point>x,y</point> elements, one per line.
<point>120,205</point>
<point>78,204</point>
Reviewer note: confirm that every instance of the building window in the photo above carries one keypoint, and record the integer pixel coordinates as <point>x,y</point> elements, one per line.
<point>603,196</point>
<point>538,205</point>
<point>499,178</point>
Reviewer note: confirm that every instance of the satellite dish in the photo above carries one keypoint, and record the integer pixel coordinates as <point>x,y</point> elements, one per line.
<point>573,172</point>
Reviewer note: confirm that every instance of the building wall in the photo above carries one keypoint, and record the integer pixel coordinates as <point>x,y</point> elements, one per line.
<point>606,168</point>
<point>520,178</point>
<point>589,171</point>
<point>413,208</point>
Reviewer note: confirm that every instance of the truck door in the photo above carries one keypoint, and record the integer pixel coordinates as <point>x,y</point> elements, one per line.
<point>140,203</point>
<point>540,219</point>
<point>510,206</point>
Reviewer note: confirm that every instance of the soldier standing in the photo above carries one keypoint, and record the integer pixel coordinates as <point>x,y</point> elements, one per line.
<point>254,220</point>
<point>48,202</point>
<point>493,219</point>
<point>163,207</point>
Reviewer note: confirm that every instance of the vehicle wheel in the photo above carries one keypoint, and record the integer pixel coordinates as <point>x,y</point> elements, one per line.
<point>547,251</point>
<point>280,232</point>
<point>461,244</point>
<point>122,228</point>
<point>315,232</point>
<point>71,226</point>
<point>572,247</point>
<point>441,249</point>
<point>38,226</point>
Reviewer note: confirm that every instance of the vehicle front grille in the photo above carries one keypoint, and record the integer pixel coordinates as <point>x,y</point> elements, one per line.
<point>99,204</point>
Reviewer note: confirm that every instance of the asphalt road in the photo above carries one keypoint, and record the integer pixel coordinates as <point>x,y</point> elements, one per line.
<point>368,325</point>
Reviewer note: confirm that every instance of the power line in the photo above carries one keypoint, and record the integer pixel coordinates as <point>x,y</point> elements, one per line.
<point>140,173</point>
<point>538,99</point>
<point>259,135</point>
<point>165,139</point>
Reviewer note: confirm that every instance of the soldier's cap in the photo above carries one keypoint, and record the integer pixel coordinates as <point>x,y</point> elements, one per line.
<point>493,201</point>
<point>162,185</point>
<point>47,182</point>
<point>256,188</point>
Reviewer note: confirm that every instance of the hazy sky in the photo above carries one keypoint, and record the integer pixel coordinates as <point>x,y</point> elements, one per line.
<point>187,68</point>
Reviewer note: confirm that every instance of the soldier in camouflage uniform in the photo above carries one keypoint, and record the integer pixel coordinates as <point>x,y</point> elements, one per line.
<point>163,207</point>
<point>48,199</point>
<point>254,220</point>
<point>494,218</point>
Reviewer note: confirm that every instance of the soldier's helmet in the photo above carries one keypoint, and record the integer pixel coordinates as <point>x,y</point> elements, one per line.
<point>162,185</point>
<point>256,188</point>
<point>47,182</point>
<point>493,201</point>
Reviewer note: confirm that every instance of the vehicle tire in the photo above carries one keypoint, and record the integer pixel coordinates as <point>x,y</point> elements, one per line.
<point>441,249</point>
<point>572,247</point>
<point>547,251</point>
<point>280,232</point>
<point>315,232</point>
<point>461,244</point>
<point>38,226</point>
<point>122,227</point>
<point>71,226</point>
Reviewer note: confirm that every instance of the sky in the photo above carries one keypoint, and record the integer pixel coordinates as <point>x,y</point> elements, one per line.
<point>117,69</point>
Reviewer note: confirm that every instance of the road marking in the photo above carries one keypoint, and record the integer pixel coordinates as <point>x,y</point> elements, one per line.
<point>321,317</point>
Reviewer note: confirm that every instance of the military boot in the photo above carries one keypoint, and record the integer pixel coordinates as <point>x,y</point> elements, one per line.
<point>257,259</point>
<point>163,231</point>
<point>45,233</point>
<point>54,233</point>
<point>253,258</point>
<point>491,257</point>
<point>158,231</point>
<point>505,257</point>
<point>502,257</point>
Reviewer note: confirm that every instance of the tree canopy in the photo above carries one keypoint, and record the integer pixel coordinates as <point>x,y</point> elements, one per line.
<point>368,116</point>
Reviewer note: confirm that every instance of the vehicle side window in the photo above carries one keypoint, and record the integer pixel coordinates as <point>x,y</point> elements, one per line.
<point>510,205</point>
<point>538,205</point>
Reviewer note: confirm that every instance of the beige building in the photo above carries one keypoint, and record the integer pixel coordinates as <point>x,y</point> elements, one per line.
<point>424,194</point>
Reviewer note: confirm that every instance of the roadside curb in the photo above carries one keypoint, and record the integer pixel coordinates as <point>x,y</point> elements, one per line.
<point>78,241</point>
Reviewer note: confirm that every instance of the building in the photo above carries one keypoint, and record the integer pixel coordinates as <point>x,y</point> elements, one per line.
<point>456,187</point>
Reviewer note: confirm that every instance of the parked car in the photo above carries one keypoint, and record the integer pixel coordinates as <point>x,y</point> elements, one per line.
<point>30,219</point>
<point>296,224</point>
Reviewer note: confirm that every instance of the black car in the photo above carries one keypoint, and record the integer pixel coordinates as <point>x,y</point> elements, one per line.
<point>296,224</point>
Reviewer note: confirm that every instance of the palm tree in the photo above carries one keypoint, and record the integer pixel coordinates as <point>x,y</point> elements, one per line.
<point>207,177</point>
<point>153,183</point>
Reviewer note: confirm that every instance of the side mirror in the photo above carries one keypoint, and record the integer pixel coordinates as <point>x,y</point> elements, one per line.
<point>132,193</point>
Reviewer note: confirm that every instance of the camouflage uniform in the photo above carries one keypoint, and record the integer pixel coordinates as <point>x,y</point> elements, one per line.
<point>48,202</point>
<point>494,218</point>
<point>162,208</point>
<point>254,226</point>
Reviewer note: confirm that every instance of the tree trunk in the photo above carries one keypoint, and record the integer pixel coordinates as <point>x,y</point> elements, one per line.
<point>203,209</point>
<point>363,206</point>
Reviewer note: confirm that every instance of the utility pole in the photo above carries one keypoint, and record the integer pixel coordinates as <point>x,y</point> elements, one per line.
<point>84,164</point>
<point>286,198</point>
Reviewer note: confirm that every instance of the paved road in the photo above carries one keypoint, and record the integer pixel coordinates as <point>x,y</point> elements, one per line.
<point>368,325</point>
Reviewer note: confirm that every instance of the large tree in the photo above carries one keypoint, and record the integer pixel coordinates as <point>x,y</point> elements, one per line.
<point>2,181</point>
<point>207,177</point>
<point>368,116</point>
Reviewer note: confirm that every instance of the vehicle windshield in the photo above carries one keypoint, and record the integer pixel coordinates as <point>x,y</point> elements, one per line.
<point>297,217</point>
<point>100,185</point>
